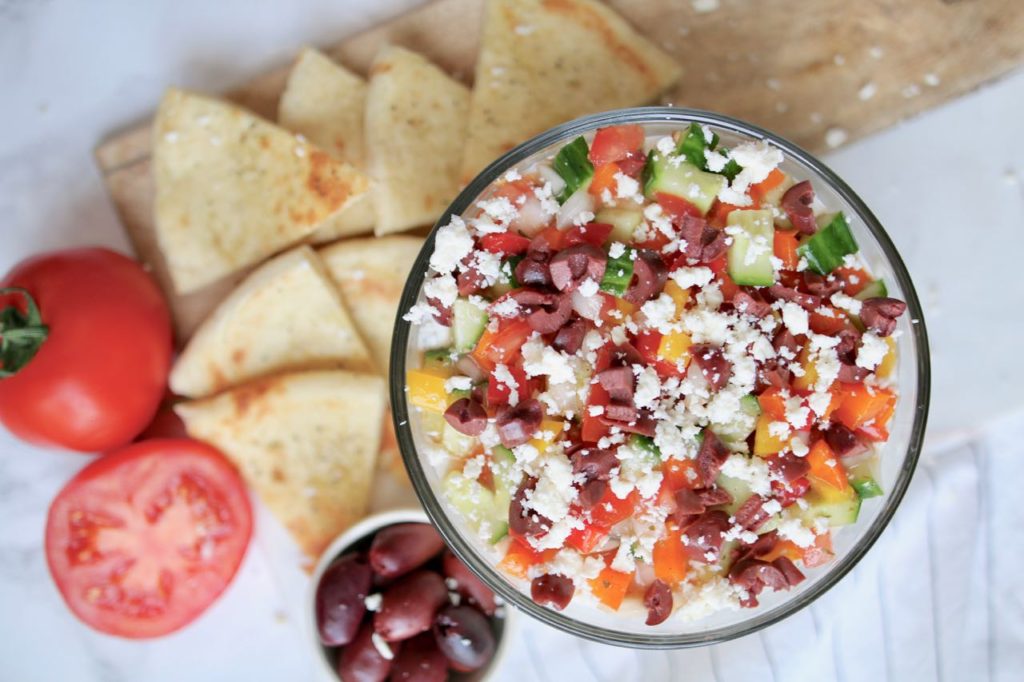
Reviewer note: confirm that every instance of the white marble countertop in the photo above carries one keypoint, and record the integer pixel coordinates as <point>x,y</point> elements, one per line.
<point>947,185</point>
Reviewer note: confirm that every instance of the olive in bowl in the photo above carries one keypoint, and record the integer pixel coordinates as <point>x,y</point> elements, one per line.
<point>390,602</point>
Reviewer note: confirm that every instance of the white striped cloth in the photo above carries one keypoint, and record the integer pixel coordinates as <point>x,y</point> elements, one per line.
<point>939,597</point>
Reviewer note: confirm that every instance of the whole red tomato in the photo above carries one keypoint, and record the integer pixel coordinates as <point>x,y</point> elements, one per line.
<point>86,349</point>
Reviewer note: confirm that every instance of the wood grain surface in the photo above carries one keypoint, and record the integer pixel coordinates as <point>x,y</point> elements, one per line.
<point>821,73</point>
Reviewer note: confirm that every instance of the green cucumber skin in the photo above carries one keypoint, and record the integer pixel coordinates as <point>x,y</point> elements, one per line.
<point>468,324</point>
<point>824,251</point>
<point>754,225</point>
<point>867,488</point>
<point>573,165</point>
<point>662,176</point>
<point>875,289</point>
<point>618,274</point>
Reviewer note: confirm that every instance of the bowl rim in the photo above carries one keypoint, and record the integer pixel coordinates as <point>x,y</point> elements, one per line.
<point>483,568</point>
<point>365,527</point>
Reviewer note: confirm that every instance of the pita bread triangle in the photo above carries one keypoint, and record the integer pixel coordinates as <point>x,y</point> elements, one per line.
<point>415,133</point>
<point>545,62</point>
<point>232,189</point>
<point>286,315</point>
<point>305,442</point>
<point>325,102</point>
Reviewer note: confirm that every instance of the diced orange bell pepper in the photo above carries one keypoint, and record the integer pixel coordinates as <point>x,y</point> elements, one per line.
<point>604,179</point>
<point>757,192</point>
<point>425,390</point>
<point>829,325</point>
<point>503,345</point>
<point>764,442</point>
<point>854,280</point>
<point>675,473</point>
<point>773,404</point>
<point>809,378</point>
<point>610,587</point>
<point>520,557</point>
<point>826,467</point>
<point>719,213</point>
<point>859,404</point>
<point>785,249</point>
<point>671,560</point>
<point>719,266</point>
<point>786,548</point>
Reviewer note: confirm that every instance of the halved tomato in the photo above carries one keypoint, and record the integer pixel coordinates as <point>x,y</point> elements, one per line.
<point>144,539</point>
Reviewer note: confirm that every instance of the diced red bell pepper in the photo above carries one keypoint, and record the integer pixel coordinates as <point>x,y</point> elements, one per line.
<point>647,344</point>
<point>853,279</point>
<point>503,345</point>
<point>719,213</point>
<point>595,234</point>
<point>785,249</point>
<point>720,267</point>
<point>611,510</point>
<point>587,539</point>
<point>615,143</point>
<point>498,393</point>
<point>675,474</point>
<point>592,429</point>
<point>795,490</point>
<point>825,324</point>
<point>508,243</point>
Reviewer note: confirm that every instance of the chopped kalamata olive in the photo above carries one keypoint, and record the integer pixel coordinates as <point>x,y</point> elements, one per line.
<point>464,636</point>
<point>748,303</point>
<point>705,534</point>
<point>822,286</point>
<point>362,660</point>
<point>570,267</point>
<point>340,599</point>
<point>533,273</point>
<point>796,202</point>
<point>419,660</point>
<point>621,412</point>
<point>403,547</point>
<point>524,521</point>
<point>619,382</point>
<point>470,281</point>
<point>592,492</point>
<point>552,590</point>
<point>570,337</point>
<point>649,277</point>
<point>753,575</point>
<point>711,457</point>
<point>658,601</point>
<point>594,463</point>
<point>786,344</point>
<point>842,440</point>
<point>773,373</point>
<point>547,319</point>
<point>792,574</point>
<point>880,314</point>
<point>467,416</point>
<point>468,585</point>
<point>789,466</point>
<point>518,423</point>
<point>851,374</point>
<point>713,365</point>
<point>409,605</point>
<point>751,514</point>
<point>806,301</point>
<point>846,349</point>
<point>703,242</point>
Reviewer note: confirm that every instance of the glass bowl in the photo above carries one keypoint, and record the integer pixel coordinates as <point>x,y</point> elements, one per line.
<point>898,456</point>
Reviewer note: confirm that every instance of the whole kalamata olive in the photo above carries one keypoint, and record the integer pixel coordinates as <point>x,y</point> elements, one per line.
<point>468,585</point>
<point>340,599</point>
<point>658,600</point>
<point>403,547</point>
<point>420,661</point>
<point>362,661</point>
<point>552,590</point>
<point>464,636</point>
<point>408,606</point>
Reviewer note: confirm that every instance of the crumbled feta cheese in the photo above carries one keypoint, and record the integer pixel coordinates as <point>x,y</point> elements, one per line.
<point>660,313</point>
<point>382,646</point>
<point>716,161</point>
<point>692,277</point>
<point>616,250</point>
<point>457,383</point>
<point>827,366</point>
<point>443,289</point>
<point>795,318</point>
<point>373,601</point>
<point>588,288</point>
<point>873,350</point>
<point>503,376</point>
<point>542,360</point>
<point>648,388</point>
<point>583,218</point>
<point>507,307</point>
<point>794,530</point>
<point>419,313</point>
<point>666,146</point>
<point>779,429</point>
<point>627,188</point>
<point>753,470</point>
<point>758,159</point>
<point>847,303</point>
<point>488,266</point>
<point>661,222</point>
<point>452,243</point>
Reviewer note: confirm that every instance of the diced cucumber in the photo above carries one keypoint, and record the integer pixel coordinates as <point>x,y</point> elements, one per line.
<point>501,453</point>
<point>572,164</point>
<point>618,273</point>
<point>624,222</point>
<point>673,175</point>
<point>437,358</point>
<point>477,504</point>
<point>468,324</point>
<point>739,490</point>
<point>647,446</point>
<point>874,289</point>
<point>734,433</point>
<point>824,251</point>
<point>750,405</point>
<point>693,144</point>
<point>866,487</point>
<point>432,423</point>
<point>839,507</point>
<point>752,248</point>
<point>458,444</point>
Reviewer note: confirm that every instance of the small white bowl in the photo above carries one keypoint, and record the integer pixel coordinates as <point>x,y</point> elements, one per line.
<point>367,527</point>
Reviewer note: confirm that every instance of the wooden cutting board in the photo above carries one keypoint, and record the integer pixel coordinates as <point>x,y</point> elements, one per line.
<point>820,73</point>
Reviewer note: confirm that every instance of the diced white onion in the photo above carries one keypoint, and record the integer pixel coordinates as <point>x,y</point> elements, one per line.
<point>548,174</point>
<point>588,307</point>
<point>581,201</point>
<point>531,217</point>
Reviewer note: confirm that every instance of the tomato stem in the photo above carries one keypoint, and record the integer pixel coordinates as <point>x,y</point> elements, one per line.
<point>21,333</point>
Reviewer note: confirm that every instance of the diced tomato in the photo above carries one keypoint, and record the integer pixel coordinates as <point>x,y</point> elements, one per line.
<point>826,467</point>
<point>604,179</point>
<point>757,192</point>
<point>854,279</point>
<point>615,143</point>
<point>508,243</point>
<point>593,429</point>
<point>554,237</point>
<point>820,552</point>
<point>595,234</point>
<point>611,510</point>
<point>503,345</point>
<point>785,249</point>
<point>675,206</point>
<point>610,587</point>
<point>719,266</point>
<point>861,406</point>
<point>633,164</point>
<point>498,393</point>
<point>587,539</point>
<point>648,343</point>
<point>658,240</point>
<point>671,560</point>
<point>719,213</point>
<point>520,557</point>
<point>787,495</point>
<point>825,324</point>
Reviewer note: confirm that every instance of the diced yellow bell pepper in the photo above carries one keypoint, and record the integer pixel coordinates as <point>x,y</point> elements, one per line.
<point>888,363</point>
<point>425,390</point>
<point>674,347</point>
<point>764,442</point>
<point>810,376</point>
<point>550,430</point>
<point>624,306</point>
<point>680,295</point>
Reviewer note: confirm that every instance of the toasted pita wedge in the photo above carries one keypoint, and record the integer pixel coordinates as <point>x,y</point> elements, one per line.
<point>306,443</point>
<point>544,62</point>
<point>371,273</point>
<point>232,189</point>
<point>415,131</point>
<point>286,315</point>
<point>325,102</point>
